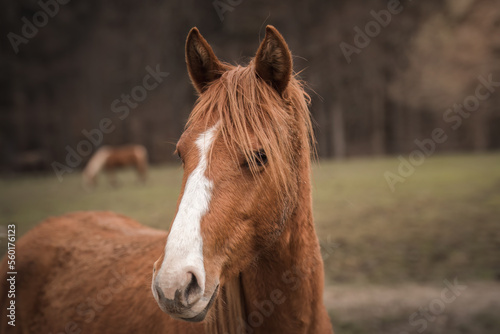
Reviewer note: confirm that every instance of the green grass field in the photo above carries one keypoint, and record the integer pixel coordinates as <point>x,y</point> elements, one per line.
<point>442,223</point>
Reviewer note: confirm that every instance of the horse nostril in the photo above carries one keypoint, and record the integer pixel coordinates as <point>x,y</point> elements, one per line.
<point>193,291</point>
<point>161,295</point>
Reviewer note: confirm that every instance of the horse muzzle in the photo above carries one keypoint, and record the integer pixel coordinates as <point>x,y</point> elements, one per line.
<point>189,301</point>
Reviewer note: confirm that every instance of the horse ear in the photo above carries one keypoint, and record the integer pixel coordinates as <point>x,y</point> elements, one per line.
<point>273,61</point>
<point>202,63</point>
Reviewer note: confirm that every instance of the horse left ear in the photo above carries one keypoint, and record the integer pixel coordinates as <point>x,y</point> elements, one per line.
<point>273,61</point>
<point>202,63</point>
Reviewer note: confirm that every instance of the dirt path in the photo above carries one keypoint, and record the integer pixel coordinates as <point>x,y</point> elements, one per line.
<point>468,307</point>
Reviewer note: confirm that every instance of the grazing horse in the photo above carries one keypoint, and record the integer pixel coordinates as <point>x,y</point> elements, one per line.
<point>241,255</point>
<point>112,158</point>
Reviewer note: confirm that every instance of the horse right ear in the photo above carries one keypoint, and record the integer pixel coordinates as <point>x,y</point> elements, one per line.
<point>273,61</point>
<point>202,63</point>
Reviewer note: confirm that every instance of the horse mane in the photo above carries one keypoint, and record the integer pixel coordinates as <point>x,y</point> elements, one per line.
<point>244,105</point>
<point>228,314</point>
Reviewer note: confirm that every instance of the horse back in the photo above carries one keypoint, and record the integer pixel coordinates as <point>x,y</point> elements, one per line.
<point>130,155</point>
<point>86,272</point>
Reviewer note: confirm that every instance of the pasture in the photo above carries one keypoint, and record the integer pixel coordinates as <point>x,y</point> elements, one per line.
<point>387,254</point>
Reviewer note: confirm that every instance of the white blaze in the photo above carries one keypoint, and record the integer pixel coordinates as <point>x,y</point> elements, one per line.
<point>184,248</point>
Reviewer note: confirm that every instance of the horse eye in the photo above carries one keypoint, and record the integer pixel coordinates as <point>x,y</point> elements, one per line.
<point>260,158</point>
<point>179,155</point>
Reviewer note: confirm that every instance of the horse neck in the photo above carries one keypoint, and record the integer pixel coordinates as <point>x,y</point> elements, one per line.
<point>282,292</point>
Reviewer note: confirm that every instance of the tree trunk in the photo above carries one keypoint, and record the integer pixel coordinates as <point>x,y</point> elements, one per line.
<point>378,123</point>
<point>338,133</point>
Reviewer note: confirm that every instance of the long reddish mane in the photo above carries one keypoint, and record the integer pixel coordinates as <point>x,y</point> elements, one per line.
<point>245,105</point>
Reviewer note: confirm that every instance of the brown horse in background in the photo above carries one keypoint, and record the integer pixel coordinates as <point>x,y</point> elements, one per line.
<point>241,255</point>
<point>110,159</point>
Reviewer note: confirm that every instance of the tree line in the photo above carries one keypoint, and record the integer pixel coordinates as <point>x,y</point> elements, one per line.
<point>384,76</point>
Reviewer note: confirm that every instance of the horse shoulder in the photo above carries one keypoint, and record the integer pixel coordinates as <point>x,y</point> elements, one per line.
<point>79,267</point>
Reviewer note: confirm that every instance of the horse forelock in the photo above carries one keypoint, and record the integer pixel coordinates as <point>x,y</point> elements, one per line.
<point>249,111</point>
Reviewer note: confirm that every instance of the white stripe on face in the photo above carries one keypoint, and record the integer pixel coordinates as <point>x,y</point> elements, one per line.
<point>184,248</point>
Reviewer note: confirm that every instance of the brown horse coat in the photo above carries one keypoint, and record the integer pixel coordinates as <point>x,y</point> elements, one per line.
<point>112,158</point>
<point>87,272</point>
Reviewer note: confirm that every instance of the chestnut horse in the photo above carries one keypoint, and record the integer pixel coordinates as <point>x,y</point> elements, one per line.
<point>112,158</point>
<point>241,255</point>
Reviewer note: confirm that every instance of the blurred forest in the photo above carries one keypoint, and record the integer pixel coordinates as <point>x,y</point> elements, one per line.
<point>64,80</point>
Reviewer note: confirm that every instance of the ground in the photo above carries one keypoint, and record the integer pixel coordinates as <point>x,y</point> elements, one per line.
<point>388,254</point>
